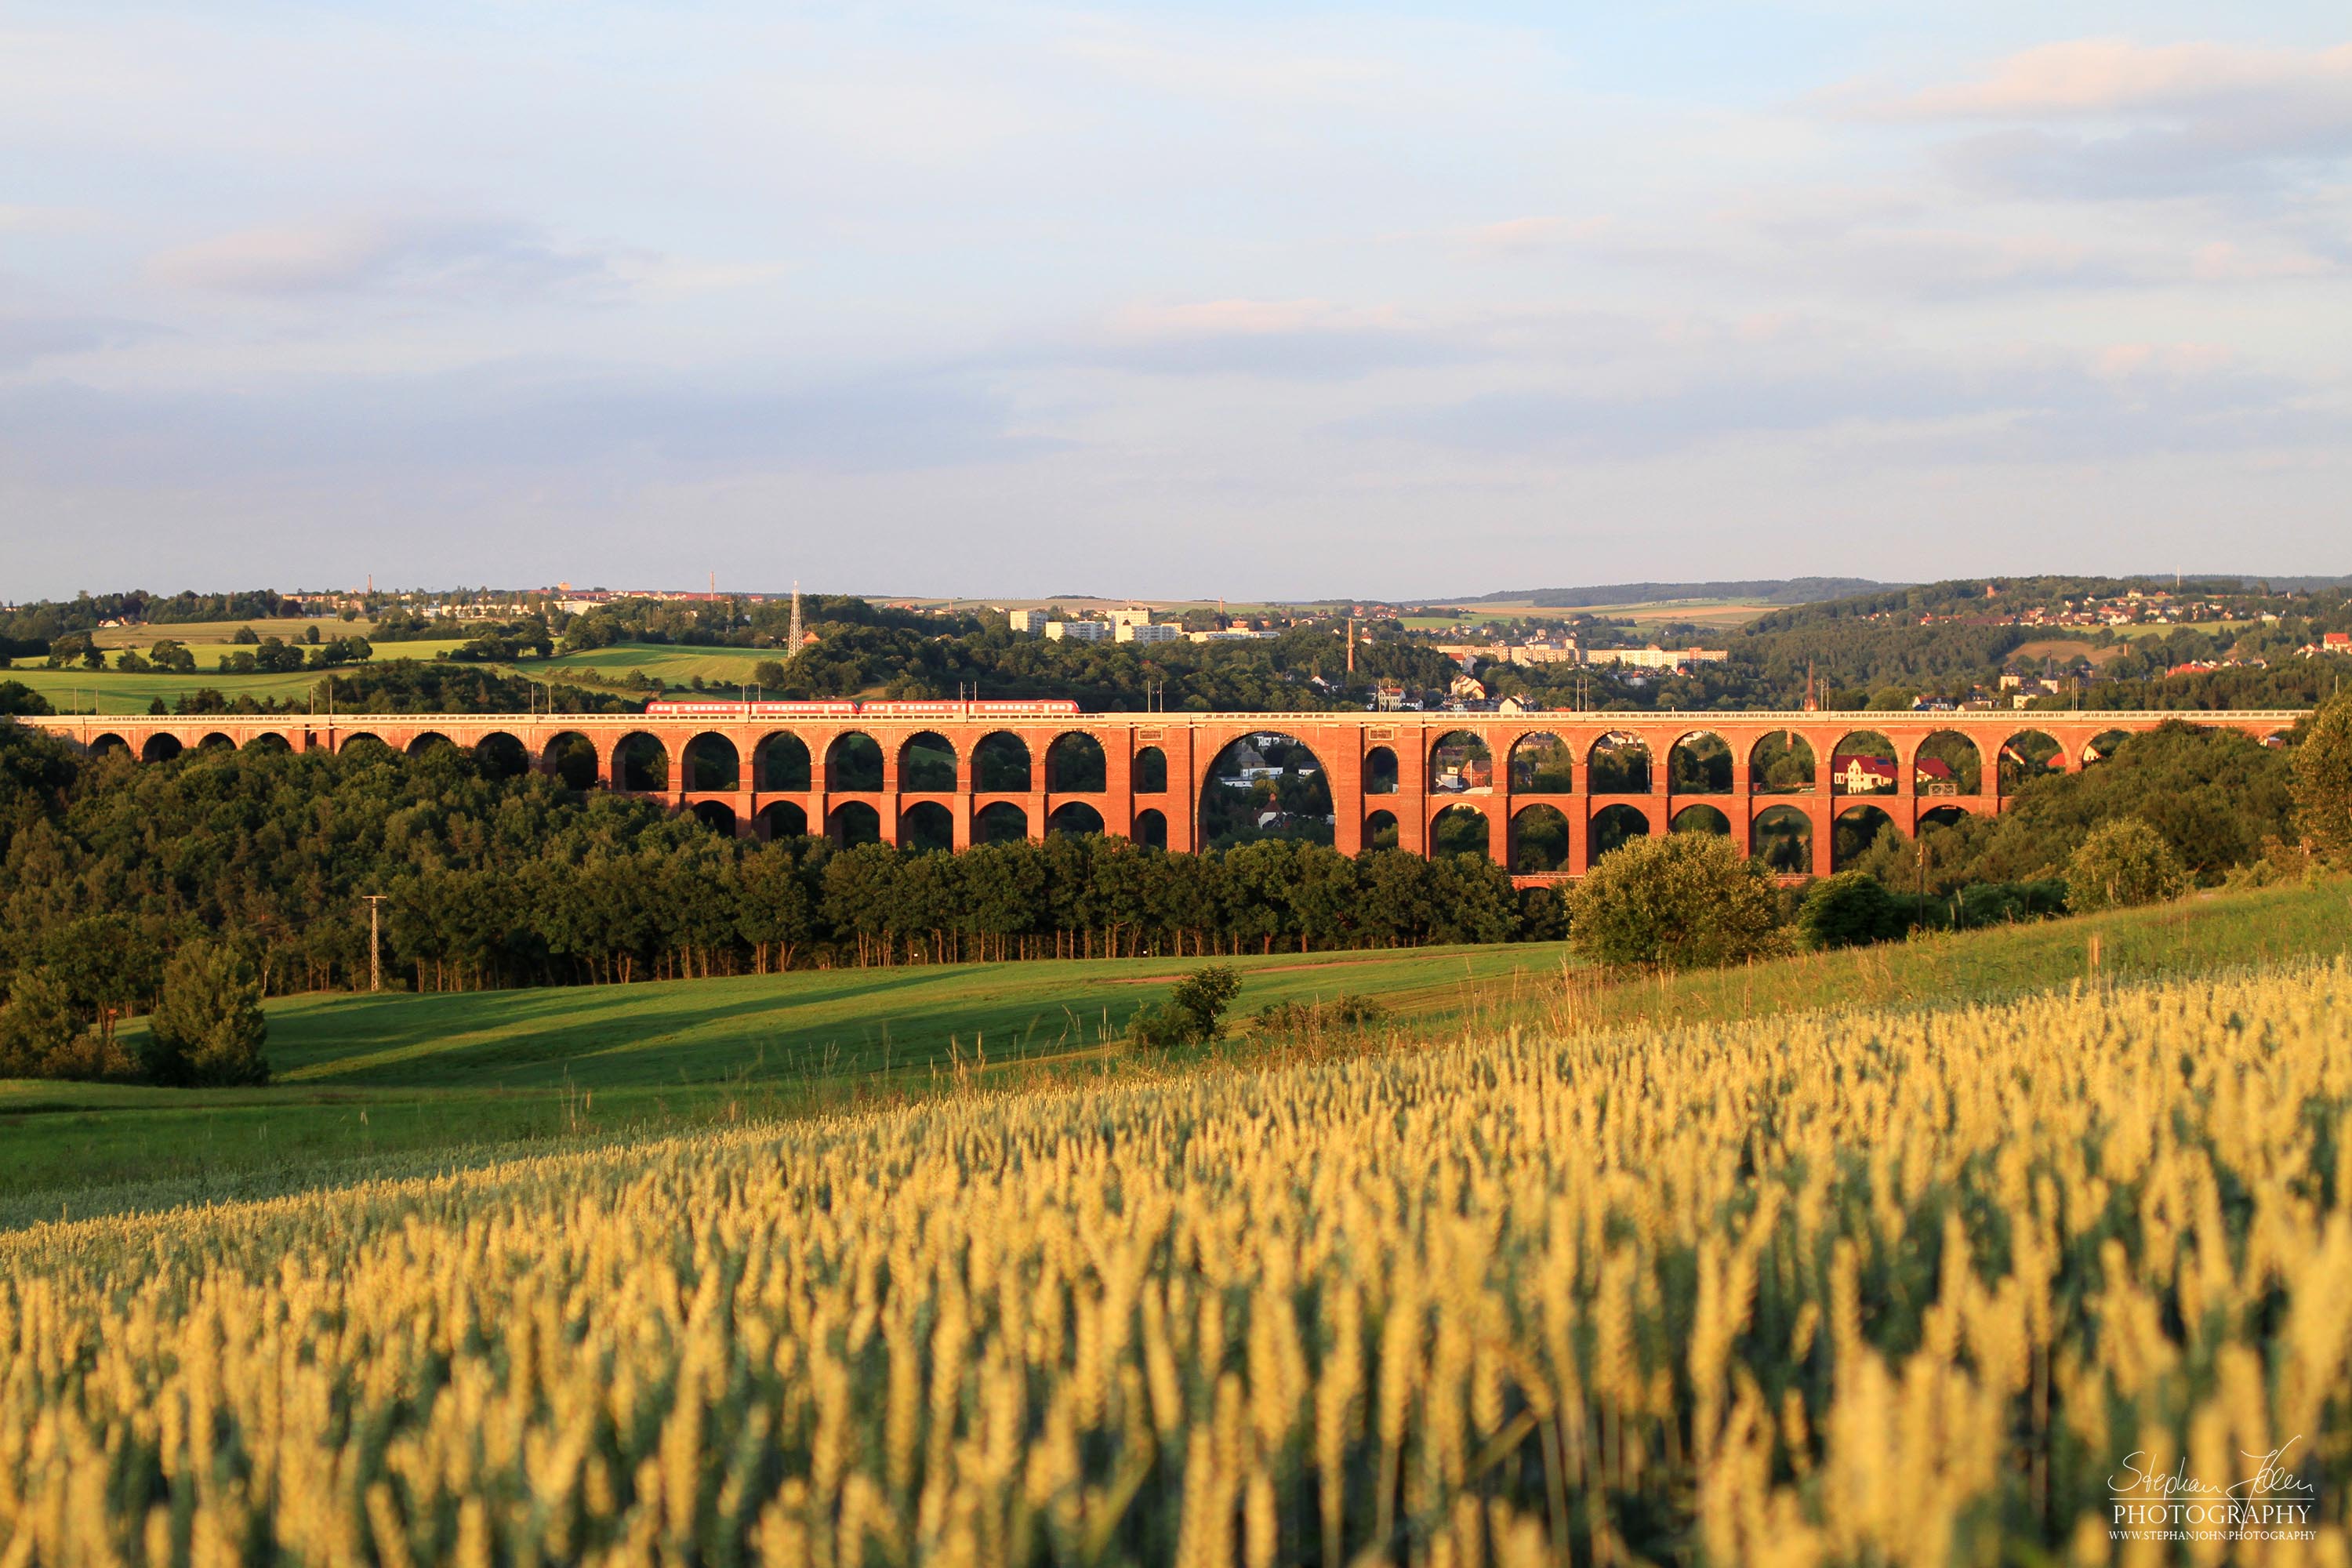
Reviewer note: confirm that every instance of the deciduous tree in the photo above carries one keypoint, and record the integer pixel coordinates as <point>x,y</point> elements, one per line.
<point>208,1030</point>
<point>1686,900</point>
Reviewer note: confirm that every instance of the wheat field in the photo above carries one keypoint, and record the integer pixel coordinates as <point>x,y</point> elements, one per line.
<point>1896,1289</point>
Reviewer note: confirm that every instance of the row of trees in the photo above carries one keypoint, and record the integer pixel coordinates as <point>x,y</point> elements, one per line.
<point>107,867</point>
<point>207,1028</point>
<point>712,906</point>
<point>43,621</point>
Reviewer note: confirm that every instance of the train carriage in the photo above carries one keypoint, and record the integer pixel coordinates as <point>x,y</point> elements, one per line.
<point>1038,708</point>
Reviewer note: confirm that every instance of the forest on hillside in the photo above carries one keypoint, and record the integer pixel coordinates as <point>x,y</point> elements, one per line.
<point>497,878</point>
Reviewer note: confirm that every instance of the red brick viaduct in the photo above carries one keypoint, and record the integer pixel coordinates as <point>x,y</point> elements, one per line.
<point>1383,769</point>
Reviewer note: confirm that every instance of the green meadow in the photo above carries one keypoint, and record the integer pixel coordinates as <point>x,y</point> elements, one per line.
<point>112,690</point>
<point>674,664</point>
<point>374,1085</point>
<point>116,691</point>
<point>358,1077</point>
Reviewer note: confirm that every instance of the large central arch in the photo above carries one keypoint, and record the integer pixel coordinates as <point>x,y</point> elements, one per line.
<point>1266,783</point>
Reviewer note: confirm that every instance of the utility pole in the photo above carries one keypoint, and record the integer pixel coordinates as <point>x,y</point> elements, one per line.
<point>375,940</point>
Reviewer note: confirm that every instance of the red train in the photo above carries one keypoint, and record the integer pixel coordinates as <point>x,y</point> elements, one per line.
<point>1043,707</point>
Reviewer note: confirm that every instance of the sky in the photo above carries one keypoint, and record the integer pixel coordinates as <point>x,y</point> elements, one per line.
<point>1176,300</point>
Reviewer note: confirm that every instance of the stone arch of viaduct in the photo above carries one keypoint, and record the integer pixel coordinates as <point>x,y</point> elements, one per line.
<point>1374,762</point>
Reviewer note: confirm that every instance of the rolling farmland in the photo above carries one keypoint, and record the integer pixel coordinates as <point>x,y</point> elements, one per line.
<point>1890,1288</point>
<point>362,1078</point>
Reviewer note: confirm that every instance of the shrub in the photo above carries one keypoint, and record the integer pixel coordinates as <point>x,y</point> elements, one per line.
<point>2122,863</point>
<point>208,1029</point>
<point>38,1026</point>
<point>2005,904</point>
<point>1341,1014</point>
<point>1686,900</point>
<point>1193,1014</point>
<point>2323,779</point>
<point>16,697</point>
<point>1853,908</point>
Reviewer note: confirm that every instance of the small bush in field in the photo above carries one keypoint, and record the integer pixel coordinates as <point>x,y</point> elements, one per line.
<point>1193,1014</point>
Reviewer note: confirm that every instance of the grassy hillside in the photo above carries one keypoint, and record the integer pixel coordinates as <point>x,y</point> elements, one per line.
<point>674,663</point>
<point>1663,612</point>
<point>113,692</point>
<point>361,1076</point>
<point>204,633</point>
<point>117,691</point>
<point>397,1078</point>
<point>2208,933</point>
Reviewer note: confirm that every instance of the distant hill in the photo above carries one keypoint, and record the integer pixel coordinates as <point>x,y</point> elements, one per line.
<point>1779,591</point>
<point>2275,584</point>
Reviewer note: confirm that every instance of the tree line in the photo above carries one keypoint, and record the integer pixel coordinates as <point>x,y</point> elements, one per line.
<point>41,621</point>
<point>108,867</point>
<point>112,875</point>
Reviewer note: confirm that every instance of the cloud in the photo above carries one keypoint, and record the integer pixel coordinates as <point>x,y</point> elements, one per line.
<point>451,256</point>
<point>2114,77</point>
<point>497,422</point>
<point>2105,117</point>
<point>21,218</point>
<point>24,339</point>
<point>1309,339</point>
<point>1255,71</point>
<point>2133,399</point>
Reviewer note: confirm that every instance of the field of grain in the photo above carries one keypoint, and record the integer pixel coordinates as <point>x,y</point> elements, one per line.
<point>1712,612</point>
<point>675,663</point>
<point>1864,1288</point>
<point>2066,650</point>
